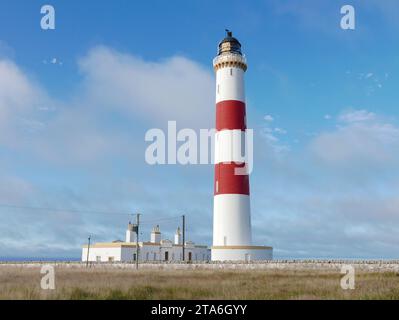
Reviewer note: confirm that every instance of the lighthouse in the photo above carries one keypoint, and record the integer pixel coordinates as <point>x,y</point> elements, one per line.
<point>232,238</point>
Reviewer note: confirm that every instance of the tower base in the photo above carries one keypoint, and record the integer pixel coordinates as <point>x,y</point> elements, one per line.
<point>241,253</point>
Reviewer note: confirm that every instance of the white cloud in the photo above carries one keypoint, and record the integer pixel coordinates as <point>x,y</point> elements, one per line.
<point>268,118</point>
<point>370,82</point>
<point>369,75</point>
<point>14,189</point>
<point>54,61</point>
<point>273,146</point>
<point>341,197</point>
<point>362,137</point>
<point>20,99</point>
<point>173,89</point>
<point>144,94</point>
<point>270,137</point>
<point>280,131</point>
<point>357,116</point>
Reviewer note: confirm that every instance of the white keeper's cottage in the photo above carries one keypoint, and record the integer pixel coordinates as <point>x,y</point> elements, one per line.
<point>157,249</point>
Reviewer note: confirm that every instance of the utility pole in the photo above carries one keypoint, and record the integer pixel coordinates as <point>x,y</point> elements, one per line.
<point>184,235</point>
<point>88,249</point>
<point>137,240</point>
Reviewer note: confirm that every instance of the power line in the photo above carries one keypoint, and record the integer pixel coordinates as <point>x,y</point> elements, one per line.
<point>11,206</point>
<point>161,219</point>
<point>145,222</point>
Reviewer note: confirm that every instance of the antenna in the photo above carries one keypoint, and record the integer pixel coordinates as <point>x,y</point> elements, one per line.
<point>88,250</point>
<point>184,235</point>
<point>137,239</point>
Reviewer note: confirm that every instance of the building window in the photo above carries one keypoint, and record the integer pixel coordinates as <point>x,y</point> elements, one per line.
<point>173,256</point>
<point>98,258</point>
<point>134,257</point>
<point>231,71</point>
<point>225,241</point>
<point>147,256</point>
<point>110,259</point>
<point>155,256</point>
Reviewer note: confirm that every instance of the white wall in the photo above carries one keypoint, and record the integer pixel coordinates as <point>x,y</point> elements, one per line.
<point>154,253</point>
<point>231,220</point>
<point>130,236</point>
<point>104,253</point>
<point>230,84</point>
<point>242,254</point>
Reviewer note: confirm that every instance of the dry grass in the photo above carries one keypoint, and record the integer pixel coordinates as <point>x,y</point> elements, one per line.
<point>71,283</point>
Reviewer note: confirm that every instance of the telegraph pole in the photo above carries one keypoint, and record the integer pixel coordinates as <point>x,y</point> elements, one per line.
<point>184,235</point>
<point>88,249</point>
<point>137,240</point>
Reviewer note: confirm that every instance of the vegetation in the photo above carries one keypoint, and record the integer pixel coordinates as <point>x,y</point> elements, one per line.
<point>113,283</point>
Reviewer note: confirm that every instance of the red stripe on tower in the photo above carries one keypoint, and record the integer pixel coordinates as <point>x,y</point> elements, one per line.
<point>226,181</point>
<point>230,115</point>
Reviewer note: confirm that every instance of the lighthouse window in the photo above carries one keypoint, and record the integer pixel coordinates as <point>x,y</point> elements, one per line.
<point>231,71</point>
<point>218,88</point>
<point>243,145</point>
<point>217,186</point>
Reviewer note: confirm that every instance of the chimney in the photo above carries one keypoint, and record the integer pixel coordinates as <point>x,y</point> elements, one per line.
<point>131,232</point>
<point>156,235</point>
<point>178,236</point>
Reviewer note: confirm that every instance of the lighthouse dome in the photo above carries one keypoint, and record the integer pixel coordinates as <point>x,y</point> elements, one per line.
<point>229,44</point>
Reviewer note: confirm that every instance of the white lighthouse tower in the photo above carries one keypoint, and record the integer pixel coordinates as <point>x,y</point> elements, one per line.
<point>232,239</point>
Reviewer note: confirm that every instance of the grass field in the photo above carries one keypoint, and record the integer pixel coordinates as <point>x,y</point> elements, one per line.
<point>80,283</point>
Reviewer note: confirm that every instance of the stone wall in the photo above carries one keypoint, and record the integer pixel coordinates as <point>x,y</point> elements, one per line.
<point>335,265</point>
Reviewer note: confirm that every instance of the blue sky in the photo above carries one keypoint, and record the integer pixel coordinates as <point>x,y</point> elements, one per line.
<point>75,103</point>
